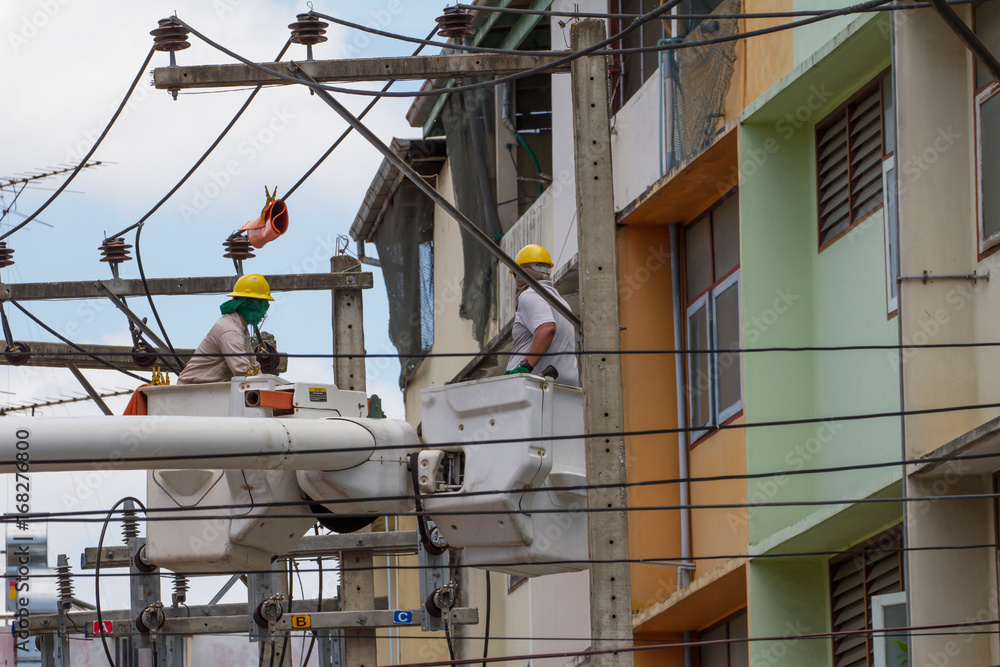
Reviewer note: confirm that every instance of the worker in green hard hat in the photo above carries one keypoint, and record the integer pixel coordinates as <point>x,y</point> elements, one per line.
<point>225,352</point>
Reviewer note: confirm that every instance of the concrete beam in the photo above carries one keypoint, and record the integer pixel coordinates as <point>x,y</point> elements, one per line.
<point>415,68</point>
<point>88,289</point>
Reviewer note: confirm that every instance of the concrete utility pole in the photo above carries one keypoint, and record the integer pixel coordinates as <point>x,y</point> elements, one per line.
<point>610,587</point>
<point>357,575</point>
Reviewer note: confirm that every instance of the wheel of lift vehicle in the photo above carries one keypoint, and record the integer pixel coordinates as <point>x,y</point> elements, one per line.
<point>340,523</point>
<point>17,354</point>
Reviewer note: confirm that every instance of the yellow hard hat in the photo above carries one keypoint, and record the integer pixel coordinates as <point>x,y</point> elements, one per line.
<point>534,254</point>
<point>252,286</point>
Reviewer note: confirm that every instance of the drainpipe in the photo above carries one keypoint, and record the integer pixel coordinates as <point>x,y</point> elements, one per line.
<point>684,573</point>
<point>668,71</point>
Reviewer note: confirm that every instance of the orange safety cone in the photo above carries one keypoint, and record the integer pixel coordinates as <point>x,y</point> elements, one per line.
<point>270,224</point>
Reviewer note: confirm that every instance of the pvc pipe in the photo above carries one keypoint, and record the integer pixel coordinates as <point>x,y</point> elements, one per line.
<point>682,441</point>
<point>156,442</point>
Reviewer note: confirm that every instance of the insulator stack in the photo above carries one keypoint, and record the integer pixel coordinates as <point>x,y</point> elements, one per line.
<point>114,251</point>
<point>238,248</point>
<point>64,582</point>
<point>6,255</point>
<point>170,36</point>
<point>308,30</point>
<point>130,525</point>
<point>143,356</point>
<point>455,23</point>
<point>181,587</point>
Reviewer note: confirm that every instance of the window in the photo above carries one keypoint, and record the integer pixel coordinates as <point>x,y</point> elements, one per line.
<point>890,190</point>
<point>889,612</point>
<point>712,259</point>
<point>849,155</point>
<point>987,23</point>
<point>859,582</point>
<point>631,70</point>
<point>725,654</point>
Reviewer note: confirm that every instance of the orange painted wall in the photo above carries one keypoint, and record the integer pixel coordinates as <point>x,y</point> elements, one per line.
<point>769,57</point>
<point>719,532</point>
<point>650,402</point>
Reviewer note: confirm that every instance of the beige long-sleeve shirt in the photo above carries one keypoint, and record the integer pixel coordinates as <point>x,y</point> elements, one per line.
<point>227,337</point>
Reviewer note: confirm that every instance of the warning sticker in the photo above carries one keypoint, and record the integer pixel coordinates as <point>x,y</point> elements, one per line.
<point>317,394</point>
<point>304,621</point>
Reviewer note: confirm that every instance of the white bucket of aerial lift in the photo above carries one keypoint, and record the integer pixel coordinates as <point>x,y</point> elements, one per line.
<point>511,535</point>
<point>248,537</point>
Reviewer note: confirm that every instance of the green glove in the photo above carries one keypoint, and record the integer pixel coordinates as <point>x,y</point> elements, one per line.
<point>523,368</point>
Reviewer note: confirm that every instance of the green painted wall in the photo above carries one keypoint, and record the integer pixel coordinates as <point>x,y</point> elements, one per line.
<point>794,295</point>
<point>789,598</point>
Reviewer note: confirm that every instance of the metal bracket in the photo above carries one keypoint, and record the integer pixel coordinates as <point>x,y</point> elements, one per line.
<point>433,575</point>
<point>331,652</point>
<point>927,275</point>
<point>144,591</point>
<point>162,347</point>
<point>261,587</point>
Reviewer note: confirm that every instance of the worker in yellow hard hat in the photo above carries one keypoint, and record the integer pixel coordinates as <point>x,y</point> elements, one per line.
<point>225,353</point>
<point>542,336</point>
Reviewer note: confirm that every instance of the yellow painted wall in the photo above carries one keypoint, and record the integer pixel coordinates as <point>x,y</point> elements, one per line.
<point>649,397</point>
<point>768,57</point>
<point>719,532</point>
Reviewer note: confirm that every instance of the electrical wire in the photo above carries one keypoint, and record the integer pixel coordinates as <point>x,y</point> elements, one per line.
<point>582,563</point>
<point>715,642</point>
<point>582,353</point>
<point>731,426</point>
<point>203,157</point>
<point>746,15</point>
<point>138,226</point>
<point>74,345</point>
<point>90,153</point>
<point>345,133</point>
<point>597,49</point>
<point>97,574</point>
<point>670,4</point>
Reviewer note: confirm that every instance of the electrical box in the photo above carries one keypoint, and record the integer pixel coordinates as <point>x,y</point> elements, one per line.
<point>516,435</point>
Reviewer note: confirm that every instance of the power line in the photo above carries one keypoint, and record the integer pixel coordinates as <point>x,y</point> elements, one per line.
<point>204,156</point>
<point>348,131</point>
<point>746,15</point>
<point>456,89</point>
<point>549,438</point>
<point>75,517</point>
<point>90,153</point>
<point>74,345</point>
<point>665,561</point>
<point>912,630</point>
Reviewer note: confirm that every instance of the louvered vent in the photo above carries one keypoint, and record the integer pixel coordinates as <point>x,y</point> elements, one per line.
<point>853,582</point>
<point>849,164</point>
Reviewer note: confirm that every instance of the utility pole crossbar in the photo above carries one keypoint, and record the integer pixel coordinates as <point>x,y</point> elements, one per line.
<point>90,289</point>
<point>415,68</point>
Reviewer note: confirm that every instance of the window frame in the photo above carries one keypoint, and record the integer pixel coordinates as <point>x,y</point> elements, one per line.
<point>879,643</point>
<point>829,120</point>
<point>619,96</point>
<point>890,206</point>
<point>708,299</point>
<point>986,93</point>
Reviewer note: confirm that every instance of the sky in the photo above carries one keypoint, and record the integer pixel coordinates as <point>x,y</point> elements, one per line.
<point>64,67</point>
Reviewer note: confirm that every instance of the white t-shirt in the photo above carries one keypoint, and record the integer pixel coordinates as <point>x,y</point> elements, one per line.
<point>533,312</point>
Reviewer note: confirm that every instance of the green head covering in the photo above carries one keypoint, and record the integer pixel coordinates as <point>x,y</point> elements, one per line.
<point>251,310</point>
